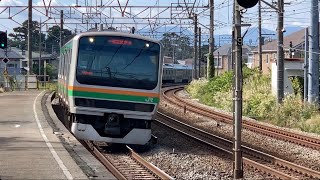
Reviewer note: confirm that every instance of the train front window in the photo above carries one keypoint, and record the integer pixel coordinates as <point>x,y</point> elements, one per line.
<point>118,62</point>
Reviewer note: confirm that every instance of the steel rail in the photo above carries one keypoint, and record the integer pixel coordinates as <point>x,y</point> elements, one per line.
<point>123,173</point>
<point>158,172</point>
<point>296,138</point>
<point>104,160</point>
<point>248,152</point>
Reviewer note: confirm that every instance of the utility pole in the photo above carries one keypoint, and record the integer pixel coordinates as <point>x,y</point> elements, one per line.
<point>313,81</point>
<point>61,28</point>
<point>210,59</point>
<point>195,20</point>
<point>260,39</point>
<point>306,65</point>
<point>238,164</point>
<point>199,71</point>
<point>280,59</point>
<point>40,46</point>
<point>29,36</point>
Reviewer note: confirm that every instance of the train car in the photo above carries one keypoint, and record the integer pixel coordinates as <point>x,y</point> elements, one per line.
<point>168,75</point>
<point>109,85</point>
<point>176,73</point>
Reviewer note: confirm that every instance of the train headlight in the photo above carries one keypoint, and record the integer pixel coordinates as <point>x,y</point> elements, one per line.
<point>147,45</point>
<point>91,39</point>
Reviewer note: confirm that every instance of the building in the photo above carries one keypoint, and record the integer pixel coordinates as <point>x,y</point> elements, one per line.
<point>223,57</point>
<point>45,58</point>
<point>269,50</point>
<point>292,67</point>
<point>14,64</point>
<point>167,60</point>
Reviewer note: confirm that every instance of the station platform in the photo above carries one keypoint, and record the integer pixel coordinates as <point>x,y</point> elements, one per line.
<point>35,145</point>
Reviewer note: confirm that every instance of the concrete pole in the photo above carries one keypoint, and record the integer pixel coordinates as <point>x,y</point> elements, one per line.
<point>195,20</point>
<point>313,81</point>
<point>199,59</point>
<point>260,38</point>
<point>29,36</point>
<point>238,164</point>
<point>306,65</point>
<point>210,65</point>
<point>40,42</point>
<point>280,59</point>
<point>61,28</point>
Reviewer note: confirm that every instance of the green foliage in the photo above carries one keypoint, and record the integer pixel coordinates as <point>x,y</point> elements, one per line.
<point>297,84</point>
<point>50,70</point>
<point>20,35</point>
<point>53,40</point>
<point>195,87</point>
<point>19,38</point>
<point>258,101</point>
<point>210,60</point>
<point>177,44</point>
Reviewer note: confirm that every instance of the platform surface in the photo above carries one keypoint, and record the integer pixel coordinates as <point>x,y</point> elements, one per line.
<point>29,149</point>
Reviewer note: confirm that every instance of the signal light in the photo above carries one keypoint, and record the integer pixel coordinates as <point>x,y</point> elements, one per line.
<point>3,40</point>
<point>247,3</point>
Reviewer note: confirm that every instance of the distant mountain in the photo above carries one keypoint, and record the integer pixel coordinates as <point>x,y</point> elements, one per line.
<point>251,38</point>
<point>292,29</point>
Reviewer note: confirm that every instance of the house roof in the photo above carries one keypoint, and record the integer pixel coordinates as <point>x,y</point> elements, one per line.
<point>296,38</point>
<point>10,54</point>
<point>225,50</point>
<point>35,55</point>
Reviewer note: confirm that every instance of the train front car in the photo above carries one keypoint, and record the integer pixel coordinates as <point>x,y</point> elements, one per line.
<point>116,87</point>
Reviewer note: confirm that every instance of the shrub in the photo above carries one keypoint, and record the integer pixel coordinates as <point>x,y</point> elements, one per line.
<point>196,87</point>
<point>258,101</point>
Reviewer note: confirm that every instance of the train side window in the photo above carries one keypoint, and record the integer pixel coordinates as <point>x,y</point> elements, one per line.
<point>59,68</point>
<point>67,64</point>
<point>63,65</point>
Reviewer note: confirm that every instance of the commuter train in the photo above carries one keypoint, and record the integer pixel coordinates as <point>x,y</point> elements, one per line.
<point>176,73</point>
<point>109,86</point>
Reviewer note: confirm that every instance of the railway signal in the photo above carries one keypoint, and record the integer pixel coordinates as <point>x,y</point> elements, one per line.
<point>3,40</point>
<point>247,3</point>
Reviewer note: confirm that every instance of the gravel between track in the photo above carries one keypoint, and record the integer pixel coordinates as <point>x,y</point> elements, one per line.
<point>186,159</point>
<point>286,150</point>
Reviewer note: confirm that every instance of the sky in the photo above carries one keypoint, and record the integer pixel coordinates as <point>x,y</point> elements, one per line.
<point>297,13</point>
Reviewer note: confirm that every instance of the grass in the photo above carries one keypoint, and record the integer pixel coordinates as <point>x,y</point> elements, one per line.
<point>258,101</point>
<point>52,86</point>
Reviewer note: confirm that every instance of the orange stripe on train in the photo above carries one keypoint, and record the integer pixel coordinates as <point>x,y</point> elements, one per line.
<point>111,91</point>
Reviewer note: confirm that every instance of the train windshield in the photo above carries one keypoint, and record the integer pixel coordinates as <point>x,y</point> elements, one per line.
<point>118,62</point>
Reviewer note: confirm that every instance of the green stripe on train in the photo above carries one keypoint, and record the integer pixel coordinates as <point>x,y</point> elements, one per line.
<point>66,47</point>
<point>113,96</point>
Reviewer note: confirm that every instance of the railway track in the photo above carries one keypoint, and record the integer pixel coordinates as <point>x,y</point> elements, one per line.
<point>300,139</point>
<point>257,160</point>
<point>126,165</point>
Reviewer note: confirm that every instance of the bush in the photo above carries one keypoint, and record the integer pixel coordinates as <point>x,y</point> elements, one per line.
<point>196,87</point>
<point>258,101</point>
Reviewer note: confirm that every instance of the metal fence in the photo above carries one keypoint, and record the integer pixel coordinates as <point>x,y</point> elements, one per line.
<point>24,82</point>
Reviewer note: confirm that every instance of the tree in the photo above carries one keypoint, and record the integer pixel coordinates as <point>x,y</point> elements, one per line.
<point>20,36</point>
<point>53,39</point>
<point>177,44</point>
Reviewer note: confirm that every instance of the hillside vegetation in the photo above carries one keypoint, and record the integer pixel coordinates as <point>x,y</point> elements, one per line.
<point>258,101</point>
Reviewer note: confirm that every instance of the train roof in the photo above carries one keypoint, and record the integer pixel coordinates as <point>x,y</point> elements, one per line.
<point>176,66</point>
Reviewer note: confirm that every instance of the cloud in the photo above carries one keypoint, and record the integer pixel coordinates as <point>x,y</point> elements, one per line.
<point>12,2</point>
